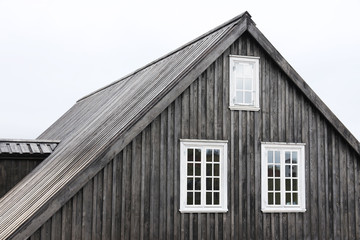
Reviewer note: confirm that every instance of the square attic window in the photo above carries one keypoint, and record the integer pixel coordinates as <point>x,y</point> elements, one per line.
<point>244,83</point>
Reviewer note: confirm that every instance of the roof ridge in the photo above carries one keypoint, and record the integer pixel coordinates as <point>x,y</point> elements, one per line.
<point>237,18</point>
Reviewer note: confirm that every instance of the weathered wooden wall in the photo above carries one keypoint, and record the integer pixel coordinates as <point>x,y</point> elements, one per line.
<point>136,196</point>
<point>12,170</point>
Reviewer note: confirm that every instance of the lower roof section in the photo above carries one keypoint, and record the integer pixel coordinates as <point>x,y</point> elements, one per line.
<point>26,148</point>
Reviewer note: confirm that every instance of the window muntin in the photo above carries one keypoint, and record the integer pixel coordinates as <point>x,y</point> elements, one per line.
<point>244,83</point>
<point>283,173</point>
<point>203,176</point>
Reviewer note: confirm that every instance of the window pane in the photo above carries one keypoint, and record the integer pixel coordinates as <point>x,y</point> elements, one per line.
<point>216,170</point>
<point>209,169</point>
<point>271,198</point>
<point>248,83</point>
<point>190,169</point>
<point>248,97</point>
<point>288,199</point>
<point>270,157</point>
<point>197,154</point>
<point>197,183</point>
<point>295,184</point>
<point>190,153</point>
<point>295,199</point>
<point>287,171</point>
<point>294,157</point>
<point>209,198</point>
<point>277,170</point>
<point>270,171</point>
<point>248,69</point>
<point>216,184</point>
<point>197,198</point>
<point>270,184</point>
<point>277,184</point>
<point>208,183</point>
<point>216,155</point>
<point>277,198</point>
<point>277,157</point>
<point>190,198</point>
<point>294,171</point>
<point>239,97</point>
<point>239,83</point>
<point>190,184</point>
<point>287,157</point>
<point>216,198</point>
<point>208,155</point>
<point>288,184</point>
<point>197,169</point>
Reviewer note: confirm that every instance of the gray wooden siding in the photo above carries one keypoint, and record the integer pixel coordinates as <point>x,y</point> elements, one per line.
<point>136,196</point>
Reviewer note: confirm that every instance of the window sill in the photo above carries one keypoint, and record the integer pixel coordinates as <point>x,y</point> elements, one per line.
<point>283,210</point>
<point>204,210</point>
<point>244,108</point>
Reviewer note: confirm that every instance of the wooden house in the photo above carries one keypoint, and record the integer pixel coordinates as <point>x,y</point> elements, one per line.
<point>219,139</point>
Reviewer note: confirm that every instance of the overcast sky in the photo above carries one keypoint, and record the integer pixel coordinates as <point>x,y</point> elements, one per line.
<point>52,53</point>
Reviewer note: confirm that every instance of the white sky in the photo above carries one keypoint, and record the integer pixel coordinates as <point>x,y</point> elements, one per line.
<point>52,53</point>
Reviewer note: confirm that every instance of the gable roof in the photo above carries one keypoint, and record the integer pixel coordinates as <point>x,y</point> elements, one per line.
<point>101,124</point>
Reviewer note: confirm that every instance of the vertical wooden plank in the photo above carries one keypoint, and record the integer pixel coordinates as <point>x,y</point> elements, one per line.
<point>147,181</point>
<point>77,216</point>
<point>357,195</point>
<point>313,207</point>
<point>210,102</point>
<point>326,182</point>
<point>343,191</point>
<point>36,235</point>
<point>321,178</point>
<point>115,195</point>
<point>135,187</point>
<point>350,194</point>
<point>226,135</point>
<point>45,230</point>
<point>162,173</point>
<point>178,218</point>
<point>103,201</point>
<point>170,173</point>
<point>107,201</point>
<point>56,225</point>
<point>87,210</point>
<point>336,186</point>
<point>305,139</point>
<point>155,190</point>
<point>232,172</point>
<point>66,222</point>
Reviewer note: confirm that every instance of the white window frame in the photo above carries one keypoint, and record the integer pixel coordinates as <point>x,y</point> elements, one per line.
<point>282,147</point>
<point>203,144</point>
<point>232,88</point>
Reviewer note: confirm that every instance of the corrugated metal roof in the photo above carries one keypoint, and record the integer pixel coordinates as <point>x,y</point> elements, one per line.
<point>27,147</point>
<point>96,121</point>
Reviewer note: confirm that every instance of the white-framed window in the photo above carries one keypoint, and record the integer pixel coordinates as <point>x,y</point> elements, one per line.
<point>203,175</point>
<point>244,83</point>
<point>283,177</point>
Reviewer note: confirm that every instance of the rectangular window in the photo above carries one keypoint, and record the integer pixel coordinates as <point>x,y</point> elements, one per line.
<point>203,176</point>
<point>244,83</point>
<point>283,177</point>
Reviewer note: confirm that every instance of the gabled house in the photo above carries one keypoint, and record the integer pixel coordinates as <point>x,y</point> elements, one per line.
<point>219,139</point>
